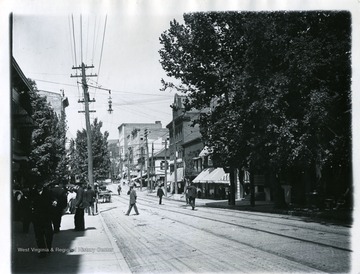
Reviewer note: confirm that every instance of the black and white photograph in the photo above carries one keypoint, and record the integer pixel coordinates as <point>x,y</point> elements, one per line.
<point>180,136</point>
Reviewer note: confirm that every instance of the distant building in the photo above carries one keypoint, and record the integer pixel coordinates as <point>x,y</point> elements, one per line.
<point>113,148</point>
<point>132,145</point>
<point>57,101</point>
<point>185,143</point>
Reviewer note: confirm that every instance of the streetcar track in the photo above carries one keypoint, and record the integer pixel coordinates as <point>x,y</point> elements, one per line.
<point>263,215</point>
<point>203,230</point>
<point>261,230</point>
<point>249,245</point>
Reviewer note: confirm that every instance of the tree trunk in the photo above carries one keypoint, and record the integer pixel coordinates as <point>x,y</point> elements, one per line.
<point>232,187</point>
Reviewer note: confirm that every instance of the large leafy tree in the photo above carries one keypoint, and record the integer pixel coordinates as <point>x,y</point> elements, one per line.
<point>48,154</point>
<point>78,153</point>
<point>277,84</point>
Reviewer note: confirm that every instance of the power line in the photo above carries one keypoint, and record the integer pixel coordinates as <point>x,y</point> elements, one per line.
<point>93,53</point>
<point>102,46</point>
<point>81,47</point>
<point>72,17</point>
<point>71,46</point>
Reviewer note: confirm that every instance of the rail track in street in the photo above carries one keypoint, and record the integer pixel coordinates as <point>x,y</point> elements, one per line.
<point>286,244</point>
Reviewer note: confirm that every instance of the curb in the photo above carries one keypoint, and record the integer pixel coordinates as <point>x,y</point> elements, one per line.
<point>118,254</point>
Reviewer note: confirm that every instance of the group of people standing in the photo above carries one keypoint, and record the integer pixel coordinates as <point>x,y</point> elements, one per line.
<point>44,205</point>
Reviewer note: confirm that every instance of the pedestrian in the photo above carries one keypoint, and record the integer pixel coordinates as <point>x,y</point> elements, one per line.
<point>79,209</point>
<point>119,189</point>
<point>90,197</point>
<point>25,209</point>
<point>71,198</point>
<point>58,195</point>
<point>132,200</point>
<point>42,204</point>
<point>186,192</point>
<point>192,195</point>
<point>160,193</point>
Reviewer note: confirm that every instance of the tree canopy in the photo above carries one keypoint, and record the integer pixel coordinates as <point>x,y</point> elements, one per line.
<point>79,156</point>
<point>48,153</point>
<point>277,84</point>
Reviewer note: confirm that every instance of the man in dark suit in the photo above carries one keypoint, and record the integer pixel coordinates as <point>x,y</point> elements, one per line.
<point>59,198</point>
<point>79,208</point>
<point>41,203</point>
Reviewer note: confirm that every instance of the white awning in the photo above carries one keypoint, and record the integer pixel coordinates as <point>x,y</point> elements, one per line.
<point>213,175</point>
<point>205,151</point>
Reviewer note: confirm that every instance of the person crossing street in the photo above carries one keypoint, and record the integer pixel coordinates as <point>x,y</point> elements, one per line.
<point>160,194</point>
<point>132,201</point>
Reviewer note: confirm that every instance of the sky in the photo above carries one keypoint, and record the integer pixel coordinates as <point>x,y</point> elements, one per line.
<point>43,46</point>
<point>121,40</point>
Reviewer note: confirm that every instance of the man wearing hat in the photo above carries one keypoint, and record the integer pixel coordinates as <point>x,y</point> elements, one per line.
<point>41,208</point>
<point>132,201</point>
<point>79,218</point>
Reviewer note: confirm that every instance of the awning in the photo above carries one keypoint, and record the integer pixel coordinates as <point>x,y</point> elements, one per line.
<point>205,151</point>
<point>213,175</point>
<point>138,177</point>
<point>179,175</point>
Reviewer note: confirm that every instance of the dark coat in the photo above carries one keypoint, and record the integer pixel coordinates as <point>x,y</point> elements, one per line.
<point>90,196</point>
<point>160,192</point>
<point>58,194</point>
<point>80,198</point>
<point>191,191</point>
<point>41,204</point>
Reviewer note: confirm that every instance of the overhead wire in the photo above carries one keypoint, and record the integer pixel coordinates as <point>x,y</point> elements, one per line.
<point>87,39</point>
<point>81,47</point>
<point>71,45</point>
<point>72,17</point>
<point>93,52</point>
<point>102,48</point>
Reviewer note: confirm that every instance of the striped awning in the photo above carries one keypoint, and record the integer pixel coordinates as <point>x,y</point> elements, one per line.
<point>213,175</point>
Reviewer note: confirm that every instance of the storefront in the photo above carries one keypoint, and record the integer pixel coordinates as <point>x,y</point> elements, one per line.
<point>179,180</point>
<point>212,183</point>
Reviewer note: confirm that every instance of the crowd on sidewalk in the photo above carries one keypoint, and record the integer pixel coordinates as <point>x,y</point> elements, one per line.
<point>44,205</point>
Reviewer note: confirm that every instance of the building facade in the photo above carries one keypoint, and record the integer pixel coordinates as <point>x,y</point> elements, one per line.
<point>57,101</point>
<point>185,144</point>
<point>21,126</point>
<point>134,142</point>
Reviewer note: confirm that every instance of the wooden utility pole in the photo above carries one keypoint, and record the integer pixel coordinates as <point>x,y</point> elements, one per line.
<point>153,177</point>
<point>142,166</point>
<point>129,154</point>
<point>175,158</point>
<point>147,159</point>
<point>166,166</point>
<point>87,118</point>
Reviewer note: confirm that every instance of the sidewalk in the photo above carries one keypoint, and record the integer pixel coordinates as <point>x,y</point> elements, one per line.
<point>90,251</point>
<point>341,216</point>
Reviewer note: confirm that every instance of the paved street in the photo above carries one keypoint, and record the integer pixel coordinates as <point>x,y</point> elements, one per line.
<point>173,238</point>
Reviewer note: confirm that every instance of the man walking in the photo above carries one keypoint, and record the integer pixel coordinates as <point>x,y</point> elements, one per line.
<point>192,195</point>
<point>160,194</point>
<point>79,209</point>
<point>41,207</point>
<point>90,198</point>
<point>58,195</point>
<point>132,201</point>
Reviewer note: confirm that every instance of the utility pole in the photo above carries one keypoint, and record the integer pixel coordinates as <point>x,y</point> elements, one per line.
<point>142,166</point>
<point>152,166</point>
<point>147,159</point>
<point>166,165</point>
<point>87,119</point>
<point>129,165</point>
<point>175,158</point>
